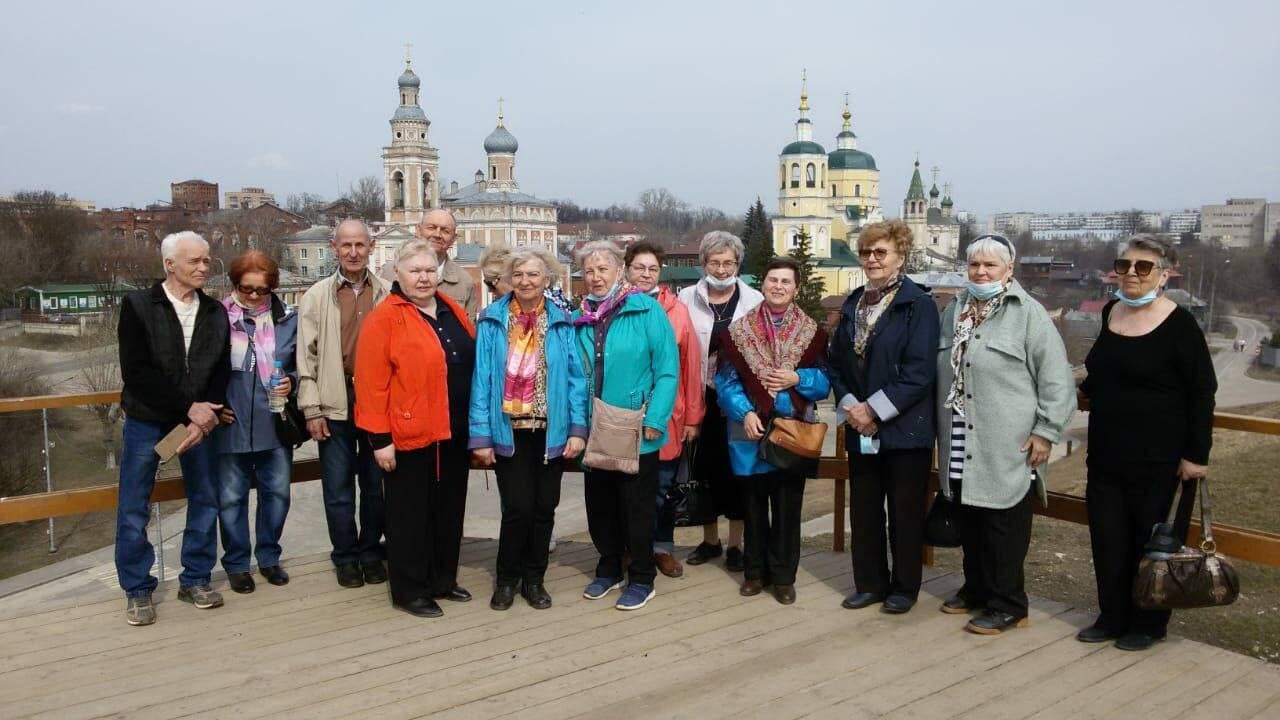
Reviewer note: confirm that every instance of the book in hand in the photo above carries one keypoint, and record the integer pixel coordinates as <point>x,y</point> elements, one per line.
<point>168,447</point>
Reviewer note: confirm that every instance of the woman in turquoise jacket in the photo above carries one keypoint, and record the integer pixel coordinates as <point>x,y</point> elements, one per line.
<point>528,414</point>
<point>624,336</point>
<point>773,363</point>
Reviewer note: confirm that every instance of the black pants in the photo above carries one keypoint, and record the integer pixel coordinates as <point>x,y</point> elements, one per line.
<point>772,502</point>
<point>424,519</point>
<point>900,477</point>
<point>995,546</point>
<point>620,513</point>
<point>712,465</point>
<point>1125,501</point>
<point>530,492</point>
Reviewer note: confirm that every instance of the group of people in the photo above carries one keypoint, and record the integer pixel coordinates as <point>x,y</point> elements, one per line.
<point>407,383</point>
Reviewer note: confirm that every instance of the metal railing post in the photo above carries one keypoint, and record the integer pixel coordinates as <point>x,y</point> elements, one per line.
<point>155,508</point>
<point>48,475</point>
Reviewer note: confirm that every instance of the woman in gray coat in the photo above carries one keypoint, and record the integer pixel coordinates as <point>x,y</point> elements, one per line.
<point>1005,393</point>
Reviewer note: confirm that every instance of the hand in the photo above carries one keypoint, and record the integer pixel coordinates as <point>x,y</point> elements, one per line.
<point>318,428</point>
<point>483,457</point>
<point>285,386</point>
<point>227,416</point>
<point>194,437</point>
<point>860,416</point>
<point>652,434</point>
<point>690,433</point>
<point>870,429</point>
<point>386,458</point>
<point>204,414</point>
<point>573,447</point>
<point>1039,450</point>
<point>779,380</point>
<point>1188,470</point>
<point>751,423</point>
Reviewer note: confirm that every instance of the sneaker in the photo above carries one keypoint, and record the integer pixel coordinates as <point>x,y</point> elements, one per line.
<point>140,611</point>
<point>601,587</point>
<point>635,596</point>
<point>202,596</point>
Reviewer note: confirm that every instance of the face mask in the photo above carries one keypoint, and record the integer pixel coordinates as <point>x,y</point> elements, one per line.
<point>984,291</point>
<point>1143,301</point>
<point>718,284</point>
<point>606,296</point>
<point>655,290</point>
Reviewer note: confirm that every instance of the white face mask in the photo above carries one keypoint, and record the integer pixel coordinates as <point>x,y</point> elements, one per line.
<point>718,284</point>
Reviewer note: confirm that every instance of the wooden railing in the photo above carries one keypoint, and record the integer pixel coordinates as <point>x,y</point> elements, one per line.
<point>1244,543</point>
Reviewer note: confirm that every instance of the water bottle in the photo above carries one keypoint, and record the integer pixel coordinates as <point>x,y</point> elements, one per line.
<point>276,402</point>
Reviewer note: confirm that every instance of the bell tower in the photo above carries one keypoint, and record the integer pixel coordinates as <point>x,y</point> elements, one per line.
<point>411,167</point>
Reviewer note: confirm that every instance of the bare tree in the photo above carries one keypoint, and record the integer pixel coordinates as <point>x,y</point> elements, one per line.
<point>308,205</point>
<point>21,469</point>
<point>368,196</point>
<point>662,210</point>
<point>101,377</point>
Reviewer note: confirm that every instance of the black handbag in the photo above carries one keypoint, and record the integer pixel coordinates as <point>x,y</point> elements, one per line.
<point>690,497</point>
<point>1172,576</point>
<point>291,424</point>
<point>940,528</point>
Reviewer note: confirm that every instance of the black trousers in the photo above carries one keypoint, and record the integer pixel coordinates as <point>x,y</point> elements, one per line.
<point>530,491</point>
<point>771,531</point>
<point>425,511</point>
<point>899,477</point>
<point>620,513</point>
<point>712,465</point>
<point>995,546</point>
<point>1125,501</point>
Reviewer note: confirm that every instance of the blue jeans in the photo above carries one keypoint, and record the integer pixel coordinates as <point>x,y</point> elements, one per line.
<point>272,470</point>
<point>664,523</point>
<point>345,456</point>
<point>134,553</point>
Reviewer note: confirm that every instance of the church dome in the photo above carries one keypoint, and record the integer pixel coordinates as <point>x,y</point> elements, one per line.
<point>409,112</point>
<point>850,160</point>
<point>933,192</point>
<point>946,202</point>
<point>501,141</point>
<point>803,147</point>
<point>409,79</point>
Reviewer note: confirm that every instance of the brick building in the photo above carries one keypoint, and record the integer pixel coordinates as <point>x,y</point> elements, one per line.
<point>195,194</point>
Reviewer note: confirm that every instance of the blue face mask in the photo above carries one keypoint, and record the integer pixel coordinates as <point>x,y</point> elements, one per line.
<point>607,295</point>
<point>1143,301</point>
<point>983,291</point>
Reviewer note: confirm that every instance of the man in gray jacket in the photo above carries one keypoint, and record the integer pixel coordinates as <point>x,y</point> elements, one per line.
<point>329,319</point>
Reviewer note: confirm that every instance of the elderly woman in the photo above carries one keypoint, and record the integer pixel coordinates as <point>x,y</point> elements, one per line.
<point>631,360</point>
<point>493,265</point>
<point>263,337</point>
<point>1151,387</point>
<point>413,387</point>
<point>883,370</point>
<point>773,363</point>
<point>1004,394</point>
<point>528,414</point>
<point>718,299</point>
<point>644,262</point>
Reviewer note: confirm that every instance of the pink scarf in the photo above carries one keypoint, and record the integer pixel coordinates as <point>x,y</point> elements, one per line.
<point>263,340</point>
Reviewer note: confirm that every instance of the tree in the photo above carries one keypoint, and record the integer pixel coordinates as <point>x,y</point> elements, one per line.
<point>100,378</point>
<point>1132,222</point>
<point>810,288</point>
<point>308,205</point>
<point>19,432</point>
<point>368,196</point>
<point>1272,263</point>
<point>40,232</point>
<point>660,209</point>
<point>757,238</point>
<point>968,231</point>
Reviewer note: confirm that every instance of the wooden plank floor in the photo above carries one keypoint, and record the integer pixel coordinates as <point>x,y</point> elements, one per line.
<point>699,650</point>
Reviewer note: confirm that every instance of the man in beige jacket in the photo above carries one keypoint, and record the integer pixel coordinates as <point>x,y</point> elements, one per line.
<point>329,319</point>
<point>440,229</point>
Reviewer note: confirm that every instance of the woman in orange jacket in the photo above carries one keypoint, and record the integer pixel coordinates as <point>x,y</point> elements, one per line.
<point>413,384</point>
<point>644,261</point>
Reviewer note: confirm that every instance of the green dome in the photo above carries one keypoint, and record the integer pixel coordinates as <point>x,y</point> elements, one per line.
<point>803,147</point>
<point>850,160</point>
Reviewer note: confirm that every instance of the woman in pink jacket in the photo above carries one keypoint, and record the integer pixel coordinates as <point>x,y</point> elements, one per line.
<point>644,266</point>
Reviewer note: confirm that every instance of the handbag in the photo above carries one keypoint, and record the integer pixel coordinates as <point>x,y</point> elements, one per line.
<point>1172,576</point>
<point>291,424</point>
<point>940,528</point>
<point>690,497</point>
<point>792,445</point>
<point>614,440</point>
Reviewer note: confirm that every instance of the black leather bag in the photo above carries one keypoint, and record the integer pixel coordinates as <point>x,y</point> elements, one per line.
<point>1172,576</point>
<point>690,497</point>
<point>940,528</point>
<point>291,424</point>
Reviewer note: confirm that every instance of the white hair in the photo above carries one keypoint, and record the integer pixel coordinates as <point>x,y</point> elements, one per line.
<point>718,241</point>
<point>169,245</point>
<point>414,247</point>
<point>523,254</point>
<point>603,248</point>
<point>988,245</point>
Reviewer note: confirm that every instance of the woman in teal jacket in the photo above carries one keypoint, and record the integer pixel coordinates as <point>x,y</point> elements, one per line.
<point>528,414</point>
<point>624,336</point>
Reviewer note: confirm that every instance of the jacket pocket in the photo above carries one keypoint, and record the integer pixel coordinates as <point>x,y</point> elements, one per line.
<point>1010,349</point>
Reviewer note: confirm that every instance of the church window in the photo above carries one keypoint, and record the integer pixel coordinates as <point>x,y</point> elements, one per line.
<point>426,189</point>
<point>935,239</point>
<point>857,190</point>
<point>795,175</point>
<point>403,99</point>
<point>782,176</point>
<point>833,190</point>
<point>493,172</point>
<point>397,190</point>
<point>397,134</point>
<point>810,176</point>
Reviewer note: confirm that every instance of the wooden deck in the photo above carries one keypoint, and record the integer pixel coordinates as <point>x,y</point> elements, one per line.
<point>699,650</point>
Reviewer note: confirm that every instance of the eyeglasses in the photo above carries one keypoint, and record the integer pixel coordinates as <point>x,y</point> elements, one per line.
<point>652,269</point>
<point>879,253</point>
<point>1141,268</point>
<point>246,290</point>
<point>492,284</point>
<point>722,264</point>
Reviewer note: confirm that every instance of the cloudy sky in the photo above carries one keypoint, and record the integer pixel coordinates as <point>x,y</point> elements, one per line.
<point>1036,106</point>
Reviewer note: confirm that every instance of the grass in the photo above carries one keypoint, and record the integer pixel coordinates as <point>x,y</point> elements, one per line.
<point>1258,372</point>
<point>60,343</point>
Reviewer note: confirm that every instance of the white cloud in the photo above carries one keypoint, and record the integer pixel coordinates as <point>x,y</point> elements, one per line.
<point>272,160</point>
<point>79,109</point>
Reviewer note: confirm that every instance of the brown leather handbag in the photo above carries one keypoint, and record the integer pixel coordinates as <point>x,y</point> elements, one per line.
<point>792,445</point>
<point>1172,576</point>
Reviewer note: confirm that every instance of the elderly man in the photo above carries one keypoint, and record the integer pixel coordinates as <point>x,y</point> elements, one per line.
<point>175,363</point>
<point>329,320</point>
<point>440,229</point>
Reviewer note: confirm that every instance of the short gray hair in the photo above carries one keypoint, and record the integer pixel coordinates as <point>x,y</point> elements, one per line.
<point>494,259</point>
<point>989,245</point>
<point>169,245</point>
<point>718,241</point>
<point>364,227</point>
<point>524,254</point>
<point>599,247</point>
<point>1154,245</point>
<point>414,247</point>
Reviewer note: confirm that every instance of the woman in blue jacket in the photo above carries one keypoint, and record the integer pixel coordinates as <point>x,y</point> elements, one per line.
<point>773,363</point>
<point>528,414</point>
<point>883,371</point>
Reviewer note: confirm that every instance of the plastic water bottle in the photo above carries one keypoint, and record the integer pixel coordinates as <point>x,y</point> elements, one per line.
<point>276,402</point>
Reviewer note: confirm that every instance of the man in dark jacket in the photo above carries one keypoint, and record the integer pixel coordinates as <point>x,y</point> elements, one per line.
<point>175,363</point>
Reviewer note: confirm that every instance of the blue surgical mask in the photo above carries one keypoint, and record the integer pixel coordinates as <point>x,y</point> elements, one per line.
<point>984,291</point>
<point>718,284</point>
<point>607,295</point>
<point>1143,301</point>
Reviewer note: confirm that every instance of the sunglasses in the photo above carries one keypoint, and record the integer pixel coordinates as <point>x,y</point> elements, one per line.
<point>246,290</point>
<point>1141,268</point>
<point>879,253</point>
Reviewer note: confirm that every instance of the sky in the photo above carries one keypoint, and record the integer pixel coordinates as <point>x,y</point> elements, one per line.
<point>1044,106</point>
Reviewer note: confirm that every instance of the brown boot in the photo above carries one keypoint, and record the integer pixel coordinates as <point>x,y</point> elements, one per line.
<point>785,594</point>
<point>668,564</point>
<point>751,588</point>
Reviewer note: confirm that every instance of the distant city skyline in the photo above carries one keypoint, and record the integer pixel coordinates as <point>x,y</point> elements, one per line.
<point>1091,107</point>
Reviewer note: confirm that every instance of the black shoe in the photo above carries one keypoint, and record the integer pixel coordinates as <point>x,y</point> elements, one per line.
<point>733,560</point>
<point>898,603</point>
<point>1136,641</point>
<point>422,607</point>
<point>994,622</point>
<point>503,597</point>
<point>241,582</point>
<point>374,571</point>
<point>349,575</point>
<point>456,594</point>
<point>859,600</point>
<point>1095,634</point>
<point>536,595</point>
<point>704,552</point>
<point>275,575</point>
<point>957,605</point>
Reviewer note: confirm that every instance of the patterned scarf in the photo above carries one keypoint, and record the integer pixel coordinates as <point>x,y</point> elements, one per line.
<point>525,338</point>
<point>263,341</point>
<point>871,307</point>
<point>967,320</point>
<point>769,345</point>
<point>594,312</point>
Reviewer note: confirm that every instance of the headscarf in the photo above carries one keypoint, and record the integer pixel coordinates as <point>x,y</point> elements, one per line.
<point>767,342</point>
<point>594,312</point>
<point>263,340</point>
<point>871,307</point>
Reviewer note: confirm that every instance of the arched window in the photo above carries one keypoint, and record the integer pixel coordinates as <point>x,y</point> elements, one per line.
<point>857,190</point>
<point>426,189</point>
<point>782,176</point>
<point>795,175</point>
<point>397,190</point>
<point>833,189</point>
<point>810,175</point>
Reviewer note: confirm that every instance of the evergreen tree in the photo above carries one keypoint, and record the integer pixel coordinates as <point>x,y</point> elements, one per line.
<point>757,238</point>
<point>811,287</point>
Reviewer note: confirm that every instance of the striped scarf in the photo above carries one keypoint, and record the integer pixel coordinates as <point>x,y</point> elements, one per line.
<point>525,337</point>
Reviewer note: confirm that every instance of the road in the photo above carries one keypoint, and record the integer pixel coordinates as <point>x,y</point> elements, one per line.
<point>1234,386</point>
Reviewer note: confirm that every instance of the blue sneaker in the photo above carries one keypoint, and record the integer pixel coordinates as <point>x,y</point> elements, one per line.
<point>601,587</point>
<point>635,596</point>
